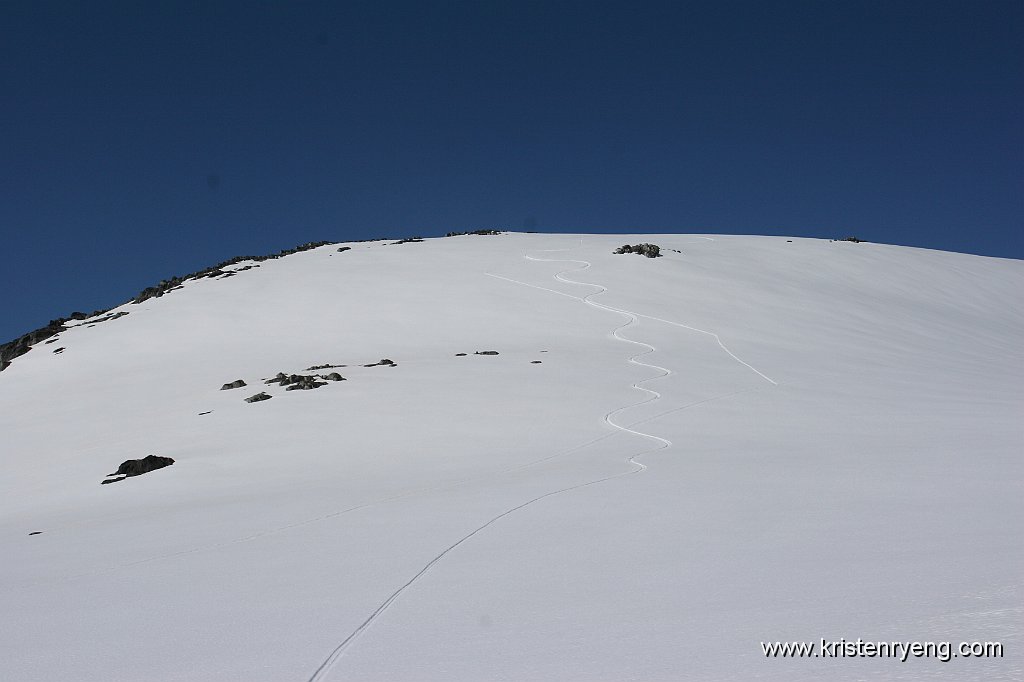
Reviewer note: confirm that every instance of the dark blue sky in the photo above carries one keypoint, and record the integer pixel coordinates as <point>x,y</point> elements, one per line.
<point>141,140</point>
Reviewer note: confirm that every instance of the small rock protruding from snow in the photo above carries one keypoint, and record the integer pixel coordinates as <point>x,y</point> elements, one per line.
<point>297,382</point>
<point>137,467</point>
<point>649,250</point>
<point>237,383</point>
<point>262,395</point>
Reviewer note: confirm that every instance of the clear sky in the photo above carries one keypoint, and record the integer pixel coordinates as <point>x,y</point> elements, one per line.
<point>141,140</point>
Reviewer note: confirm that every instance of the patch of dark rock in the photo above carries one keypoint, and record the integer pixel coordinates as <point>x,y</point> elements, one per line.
<point>480,232</point>
<point>306,386</point>
<point>648,250</point>
<point>852,239</point>
<point>543,351</point>
<point>262,395</point>
<point>207,412</point>
<point>410,240</point>
<point>316,367</point>
<point>24,343</point>
<point>460,355</point>
<point>36,532</point>
<point>344,248</point>
<point>297,382</point>
<point>237,383</point>
<point>789,241</point>
<point>333,376</point>
<point>534,362</point>
<point>108,318</point>
<point>53,340</point>
<point>58,351</point>
<point>137,467</point>
<point>485,352</point>
<point>173,283</point>
<point>383,362</point>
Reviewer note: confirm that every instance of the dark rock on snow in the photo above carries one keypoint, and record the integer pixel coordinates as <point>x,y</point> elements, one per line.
<point>648,250</point>
<point>24,343</point>
<point>137,467</point>
<point>480,232</point>
<point>237,383</point>
<point>297,382</point>
<point>263,395</point>
<point>486,352</point>
<point>306,385</point>
<point>383,362</point>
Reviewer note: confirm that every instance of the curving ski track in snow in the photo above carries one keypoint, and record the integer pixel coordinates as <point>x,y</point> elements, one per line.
<point>586,264</point>
<point>637,467</point>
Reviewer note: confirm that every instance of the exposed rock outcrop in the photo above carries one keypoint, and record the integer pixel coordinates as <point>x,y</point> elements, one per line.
<point>480,232</point>
<point>218,271</point>
<point>648,250</point>
<point>297,382</point>
<point>137,467</point>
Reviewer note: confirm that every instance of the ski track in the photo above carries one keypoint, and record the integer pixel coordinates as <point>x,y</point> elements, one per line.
<point>586,264</point>
<point>636,466</point>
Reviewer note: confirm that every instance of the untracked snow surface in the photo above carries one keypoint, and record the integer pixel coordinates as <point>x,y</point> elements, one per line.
<point>746,440</point>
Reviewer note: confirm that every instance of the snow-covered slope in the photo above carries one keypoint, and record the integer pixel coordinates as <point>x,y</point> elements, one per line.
<point>748,440</point>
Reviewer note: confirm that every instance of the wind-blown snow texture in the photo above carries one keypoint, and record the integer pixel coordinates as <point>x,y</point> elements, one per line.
<point>745,440</point>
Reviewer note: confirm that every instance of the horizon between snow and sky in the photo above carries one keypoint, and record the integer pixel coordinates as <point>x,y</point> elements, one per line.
<point>144,141</point>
